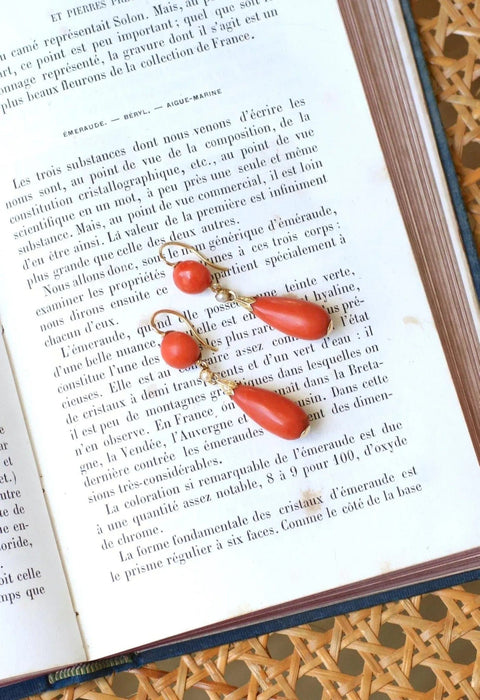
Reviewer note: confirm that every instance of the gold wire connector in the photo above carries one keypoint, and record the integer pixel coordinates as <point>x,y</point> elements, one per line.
<point>192,250</point>
<point>206,375</point>
<point>227,295</point>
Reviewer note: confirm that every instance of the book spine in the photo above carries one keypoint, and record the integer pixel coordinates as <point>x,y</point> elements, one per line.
<point>80,672</point>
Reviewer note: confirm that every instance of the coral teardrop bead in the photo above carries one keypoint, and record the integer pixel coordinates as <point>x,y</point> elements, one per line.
<point>191,276</point>
<point>295,317</point>
<point>274,412</point>
<point>179,350</point>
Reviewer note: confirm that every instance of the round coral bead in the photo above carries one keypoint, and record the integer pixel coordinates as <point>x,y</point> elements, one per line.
<point>179,350</point>
<point>274,412</point>
<point>191,276</point>
<point>295,317</point>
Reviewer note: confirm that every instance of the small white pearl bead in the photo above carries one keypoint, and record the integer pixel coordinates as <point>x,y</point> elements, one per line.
<point>222,295</point>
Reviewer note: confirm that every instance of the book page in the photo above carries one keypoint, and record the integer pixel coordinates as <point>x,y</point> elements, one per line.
<point>229,127</point>
<point>34,598</point>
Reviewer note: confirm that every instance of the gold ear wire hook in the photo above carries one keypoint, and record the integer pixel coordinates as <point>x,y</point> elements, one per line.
<point>192,250</point>
<point>188,323</point>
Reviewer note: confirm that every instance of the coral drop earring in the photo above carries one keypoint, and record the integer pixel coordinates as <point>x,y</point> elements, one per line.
<point>292,316</point>
<point>273,412</point>
<point>295,317</point>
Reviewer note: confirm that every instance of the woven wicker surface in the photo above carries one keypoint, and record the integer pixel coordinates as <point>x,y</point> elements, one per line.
<point>450,34</point>
<point>423,647</point>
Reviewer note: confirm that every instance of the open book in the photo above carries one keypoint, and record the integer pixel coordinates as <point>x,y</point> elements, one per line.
<point>291,143</point>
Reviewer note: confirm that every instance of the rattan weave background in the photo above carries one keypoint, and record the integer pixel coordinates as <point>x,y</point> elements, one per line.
<point>450,33</point>
<point>426,647</point>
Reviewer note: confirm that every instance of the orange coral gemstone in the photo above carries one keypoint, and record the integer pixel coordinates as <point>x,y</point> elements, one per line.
<point>274,412</point>
<point>191,276</point>
<point>296,317</point>
<point>179,350</point>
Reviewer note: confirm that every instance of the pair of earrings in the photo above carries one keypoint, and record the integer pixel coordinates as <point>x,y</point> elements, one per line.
<point>296,317</point>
